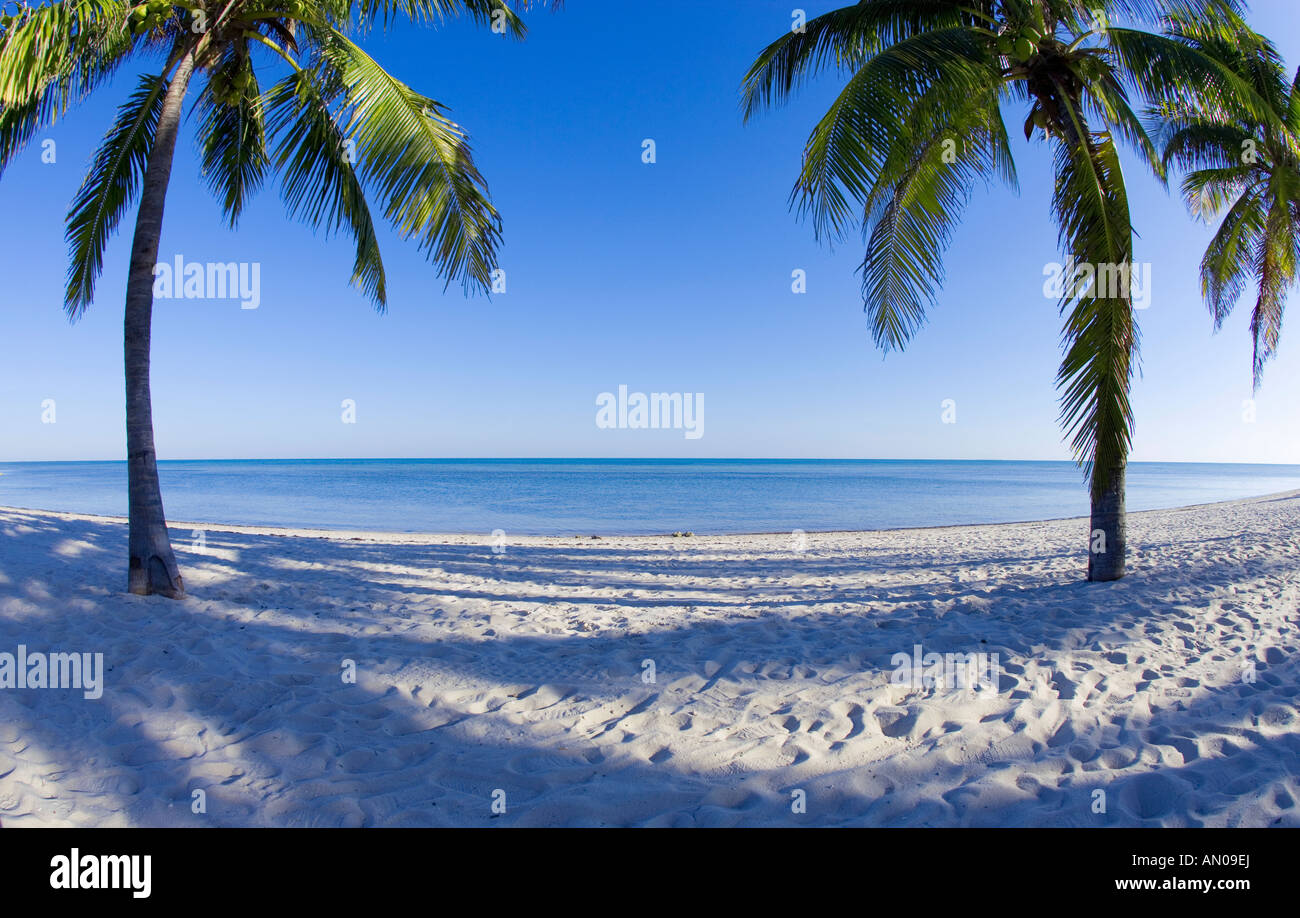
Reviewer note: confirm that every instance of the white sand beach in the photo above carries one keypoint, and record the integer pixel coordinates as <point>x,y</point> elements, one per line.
<point>1174,691</point>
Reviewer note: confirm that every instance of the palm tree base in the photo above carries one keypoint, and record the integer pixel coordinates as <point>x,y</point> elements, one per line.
<point>152,569</point>
<point>1107,540</point>
<point>1096,575</point>
<point>151,577</point>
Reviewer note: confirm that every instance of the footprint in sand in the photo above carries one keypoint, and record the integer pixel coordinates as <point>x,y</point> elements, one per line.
<point>850,715</point>
<point>1149,796</point>
<point>895,722</point>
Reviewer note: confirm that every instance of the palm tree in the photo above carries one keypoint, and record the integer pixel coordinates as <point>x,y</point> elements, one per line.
<point>336,126</point>
<point>920,121</point>
<point>1246,166</point>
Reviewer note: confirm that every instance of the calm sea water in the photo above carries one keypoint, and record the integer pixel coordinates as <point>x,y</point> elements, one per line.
<point>569,496</point>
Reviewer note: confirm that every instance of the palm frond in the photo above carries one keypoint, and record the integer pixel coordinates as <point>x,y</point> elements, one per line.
<point>1277,274</point>
<point>1155,12</point>
<point>1203,144</point>
<point>320,183</point>
<point>844,39</point>
<point>1208,191</point>
<point>1237,156</point>
<point>1230,258</point>
<point>1099,335</point>
<point>1293,106</point>
<point>1106,96</point>
<point>420,163</point>
<point>917,201</point>
<point>52,57</point>
<point>232,132</point>
<point>70,38</point>
<point>847,149</point>
<point>1163,68</point>
<point>500,13</point>
<point>109,188</point>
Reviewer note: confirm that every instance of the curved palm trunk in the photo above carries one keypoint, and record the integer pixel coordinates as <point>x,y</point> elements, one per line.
<point>152,566</point>
<point>1107,542</point>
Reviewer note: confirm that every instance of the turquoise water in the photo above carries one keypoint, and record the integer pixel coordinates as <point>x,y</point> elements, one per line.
<point>617,496</point>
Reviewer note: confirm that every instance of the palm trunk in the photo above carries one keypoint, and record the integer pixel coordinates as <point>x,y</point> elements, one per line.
<point>1107,541</point>
<point>152,567</point>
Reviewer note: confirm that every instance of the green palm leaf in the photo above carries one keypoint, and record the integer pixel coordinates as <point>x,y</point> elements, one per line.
<point>1230,257</point>
<point>1242,154</point>
<point>1276,270</point>
<point>320,183</point>
<point>109,188</point>
<point>1099,335</point>
<point>843,39</point>
<point>1165,69</point>
<point>74,41</point>
<point>52,57</point>
<point>484,12</point>
<point>420,163</point>
<point>849,146</point>
<point>917,202</point>
<point>232,133</point>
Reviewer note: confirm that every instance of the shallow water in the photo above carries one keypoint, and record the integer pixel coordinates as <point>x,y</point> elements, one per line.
<point>567,496</point>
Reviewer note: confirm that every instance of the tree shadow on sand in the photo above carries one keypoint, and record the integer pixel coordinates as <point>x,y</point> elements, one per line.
<point>236,691</point>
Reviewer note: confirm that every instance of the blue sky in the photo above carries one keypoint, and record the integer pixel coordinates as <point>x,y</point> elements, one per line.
<point>670,277</point>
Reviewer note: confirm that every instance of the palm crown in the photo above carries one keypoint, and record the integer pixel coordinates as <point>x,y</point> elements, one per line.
<point>335,125</point>
<point>1246,168</point>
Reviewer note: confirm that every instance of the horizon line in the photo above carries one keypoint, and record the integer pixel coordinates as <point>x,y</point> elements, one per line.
<point>647,459</point>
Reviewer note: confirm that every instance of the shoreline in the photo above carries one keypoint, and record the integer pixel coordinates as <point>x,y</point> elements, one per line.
<point>427,537</point>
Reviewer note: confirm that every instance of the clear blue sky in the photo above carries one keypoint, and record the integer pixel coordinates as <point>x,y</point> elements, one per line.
<point>672,277</point>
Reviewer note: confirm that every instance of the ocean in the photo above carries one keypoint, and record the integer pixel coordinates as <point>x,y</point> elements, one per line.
<point>622,496</point>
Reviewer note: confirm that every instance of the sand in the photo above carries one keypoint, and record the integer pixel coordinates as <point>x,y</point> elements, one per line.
<point>508,684</point>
